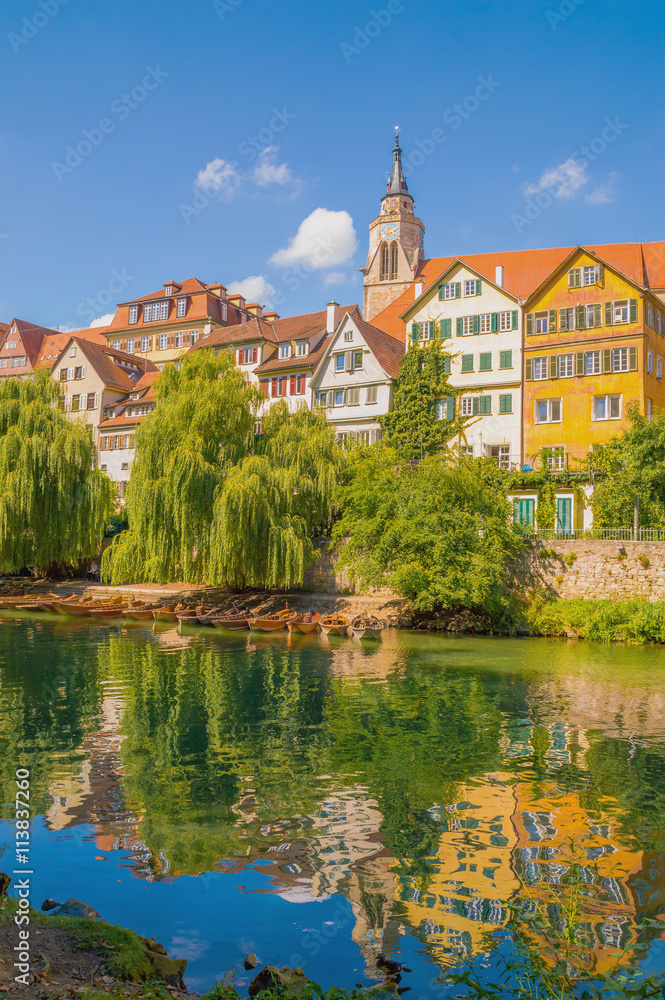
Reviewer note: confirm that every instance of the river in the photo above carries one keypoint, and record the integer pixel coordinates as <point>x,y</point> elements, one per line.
<point>318,801</point>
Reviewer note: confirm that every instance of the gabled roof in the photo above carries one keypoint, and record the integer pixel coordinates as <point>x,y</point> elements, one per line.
<point>458,262</point>
<point>276,332</point>
<point>31,337</point>
<point>103,360</point>
<point>527,270</point>
<point>203,304</point>
<point>145,390</point>
<point>387,351</point>
<point>308,361</point>
<point>52,346</point>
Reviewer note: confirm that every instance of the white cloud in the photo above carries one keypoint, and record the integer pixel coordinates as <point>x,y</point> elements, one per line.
<point>267,171</point>
<point>220,178</point>
<point>604,193</point>
<point>102,320</point>
<point>335,278</point>
<point>324,239</point>
<point>562,181</point>
<point>256,288</point>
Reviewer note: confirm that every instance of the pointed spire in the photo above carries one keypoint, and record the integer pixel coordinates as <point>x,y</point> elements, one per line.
<point>397,182</point>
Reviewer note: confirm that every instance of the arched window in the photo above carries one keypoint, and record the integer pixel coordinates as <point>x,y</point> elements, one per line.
<point>385,261</point>
<point>393,260</point>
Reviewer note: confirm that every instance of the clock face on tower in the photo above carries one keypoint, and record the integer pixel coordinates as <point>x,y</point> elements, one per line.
<point>389,231</point>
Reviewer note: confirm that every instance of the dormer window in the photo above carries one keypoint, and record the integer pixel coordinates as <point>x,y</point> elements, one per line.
<point>168,290</point>
<point>285,350</point>
<point>181,307</point>
<point>302,348</point>
<point>133,314</point>
<point>224,311</point>
<point>134,395</point>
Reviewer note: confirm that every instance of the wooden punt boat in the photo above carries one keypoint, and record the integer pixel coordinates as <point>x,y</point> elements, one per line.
<point>234,620</point>
<point>273,622</point>
<point>86,609</point>
<point>206,615</point>
<point>117,611</point>
<point>309,622</point>
<point>188,616</point>
<point>140,610</point>
<point>366,626</point>
<point>167,613</point>
<point>15,600</point>
<point>335,624</point>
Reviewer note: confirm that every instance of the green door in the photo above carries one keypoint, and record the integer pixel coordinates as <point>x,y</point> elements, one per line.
<point>524,512</point>
<point>564,515</point>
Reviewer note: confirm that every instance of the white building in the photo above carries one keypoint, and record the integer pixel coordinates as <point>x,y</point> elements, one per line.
<point>481,325</point>
<point>354,379</point>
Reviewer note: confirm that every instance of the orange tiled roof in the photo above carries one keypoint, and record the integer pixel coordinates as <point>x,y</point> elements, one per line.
<point>277,331</point>
<point>386,349</point>
<point>308,362</point>
<point>526,270</point>
<point>203,304</point>
<point>53,346</point>
<point>103,361</point>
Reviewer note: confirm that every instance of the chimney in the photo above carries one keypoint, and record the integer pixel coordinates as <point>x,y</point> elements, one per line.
<point>499,275</point>
<point>419,289</point>
<point>332,320</point>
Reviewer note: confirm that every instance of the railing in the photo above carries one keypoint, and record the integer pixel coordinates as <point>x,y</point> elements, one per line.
<point>593,534</point>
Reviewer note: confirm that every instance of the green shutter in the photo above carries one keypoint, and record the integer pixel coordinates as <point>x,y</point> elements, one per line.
<point>554,371</point>
<point>563,319</point>
<point>478,286</point>
<point>632,359</point>
<point>529,365</point>
<point>607,360</point>
<point>447,364</point>
<point>460,326</point>
<point>552,320</point>
<point>579,363</point>
<point>579,318</point>
<point>431,330</point>
<point>449,328</point>
<point>506,403</point>
<point>633,310</point>
<point>494,322</point>
<point>444,328</point>
<point>467,362</point>
<point>442,293</point>
<point>597,314</point>
<point>475,324</point>
<point>515,319</point>
<point>414,332</point>
<point>458,289</point>
<point>475,406</point>
<point>564,515</point>
<point>608,314</point>
<point>529,324</point>
<point>450,406</point>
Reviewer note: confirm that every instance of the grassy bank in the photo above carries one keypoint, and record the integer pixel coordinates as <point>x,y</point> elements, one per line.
<point>634,621</point>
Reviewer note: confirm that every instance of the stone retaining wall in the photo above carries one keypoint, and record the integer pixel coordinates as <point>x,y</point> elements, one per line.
<point>594,569</point>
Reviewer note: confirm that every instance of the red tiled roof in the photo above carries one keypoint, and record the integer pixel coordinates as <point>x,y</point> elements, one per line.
<point>386,349</point>
<point>103,360</point>
<point>53,346</point>
<point>202,305</point>
<point>309,361</point>
<point>526,270</point>
<point>277,331</point>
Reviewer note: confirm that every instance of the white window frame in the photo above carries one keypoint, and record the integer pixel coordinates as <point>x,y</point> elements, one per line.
<point>348,336</point>
<point>541,322</point>
<point>505,320</point>
<point>485,325</point>
<point>620,359</point>
<point>467,325</point>
<point>552,405</point>
<point>595,363</point>
<point>302,348</point>
<point>606,399</point>
<point>163,341</point>
<point>178,339</point>
<point>339,367</point>
<point>145,344</point>
<point>116,345</point>
<point>469,288</point>
<point>163,310</point>
<point>180,308</point>
<point>130,345</point>
<point>620,312</point>
<point>338,393</point>
<point>565,365</point>
<point>449,290</point>
<point>466,406</point>
<point>133,314</point>
<point>193,336</point>
<point>284,351</point>
<point>650,365</point>
<point>72,351</point>
<point>589,275</point>
<point>542,365</point>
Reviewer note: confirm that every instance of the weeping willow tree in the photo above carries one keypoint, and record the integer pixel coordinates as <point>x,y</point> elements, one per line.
<point>208,502</point>
<point>53,501</point>
<point>274,502</point>
<point>202,426</point>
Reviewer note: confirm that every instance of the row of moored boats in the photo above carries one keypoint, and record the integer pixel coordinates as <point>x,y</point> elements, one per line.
<point>236,619</point>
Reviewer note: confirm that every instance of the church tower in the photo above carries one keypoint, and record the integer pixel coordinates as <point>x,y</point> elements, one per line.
<point>396,239</point>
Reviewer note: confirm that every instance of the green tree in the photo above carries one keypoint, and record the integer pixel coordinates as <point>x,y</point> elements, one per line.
<point>208,502</point>
<point>53,501</point>
<point>437,534</point>
<point>634,464</point>
<point>413,427</point>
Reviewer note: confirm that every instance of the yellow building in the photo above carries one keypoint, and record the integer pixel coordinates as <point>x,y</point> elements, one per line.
<point>593,347</point>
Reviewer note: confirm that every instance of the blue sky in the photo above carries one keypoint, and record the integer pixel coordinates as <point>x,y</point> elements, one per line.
<point>210,84</point>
